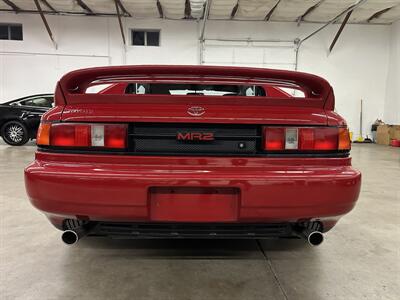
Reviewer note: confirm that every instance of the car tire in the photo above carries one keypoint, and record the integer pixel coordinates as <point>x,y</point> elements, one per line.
<point>15,133</point>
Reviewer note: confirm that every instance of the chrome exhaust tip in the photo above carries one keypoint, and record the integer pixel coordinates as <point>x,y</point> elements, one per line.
<point>315,238</point>
<point>69,237</point>
<point>311,233</point>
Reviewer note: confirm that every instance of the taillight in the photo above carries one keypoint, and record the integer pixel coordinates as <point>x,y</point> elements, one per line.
<point>306,138</point>
<point>274,138</point>
<point>43,134</point>
<point>326,138</point>
<point>82,135</point>
<point>344,139</point>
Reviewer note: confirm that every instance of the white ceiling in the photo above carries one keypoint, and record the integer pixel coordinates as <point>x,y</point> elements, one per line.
<point>321,11</point>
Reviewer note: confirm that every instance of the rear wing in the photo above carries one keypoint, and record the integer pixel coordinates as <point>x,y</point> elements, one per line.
<point>72,87</point>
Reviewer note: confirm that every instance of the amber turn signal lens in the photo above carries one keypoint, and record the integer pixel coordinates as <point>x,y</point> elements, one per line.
<point>344,139</point>
<point>43,134</point>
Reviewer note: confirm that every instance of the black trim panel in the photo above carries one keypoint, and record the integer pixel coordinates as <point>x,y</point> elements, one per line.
<point>121,230</point>
<point>118,152</point>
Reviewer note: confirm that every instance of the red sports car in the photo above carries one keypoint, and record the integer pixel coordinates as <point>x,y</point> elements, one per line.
<point>192,152</point>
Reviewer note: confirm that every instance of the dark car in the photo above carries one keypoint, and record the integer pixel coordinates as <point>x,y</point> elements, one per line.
<point>20,118</point>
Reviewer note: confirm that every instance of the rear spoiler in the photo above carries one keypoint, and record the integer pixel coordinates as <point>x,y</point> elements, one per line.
<point>76,82</point>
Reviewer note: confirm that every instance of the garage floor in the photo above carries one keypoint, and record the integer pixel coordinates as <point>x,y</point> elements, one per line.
<point>359,259</point>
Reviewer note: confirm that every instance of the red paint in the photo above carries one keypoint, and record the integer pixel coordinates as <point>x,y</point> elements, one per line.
<point>114,89</point>
<point>132,188</point>
<point>194,204</point>
<point>168,112</point>
<point>116,188</point>
<point>76,82</point>
<point>276,92</point>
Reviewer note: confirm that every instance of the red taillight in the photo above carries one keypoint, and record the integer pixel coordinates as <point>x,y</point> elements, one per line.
<point>83,135</point>
<point>115,136</point>
<point>326,138</point>
<point>70,135</point>
<point>274,138</point>
<point>306,138</point>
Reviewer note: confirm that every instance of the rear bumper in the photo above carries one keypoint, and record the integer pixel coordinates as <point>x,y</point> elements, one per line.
<point>116,188</point>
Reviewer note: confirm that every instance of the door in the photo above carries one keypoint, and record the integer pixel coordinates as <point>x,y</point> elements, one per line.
<point>32,108</point>
<point>273,55</point>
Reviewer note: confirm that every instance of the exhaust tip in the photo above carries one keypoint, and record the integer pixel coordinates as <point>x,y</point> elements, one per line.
<point>315,238</point>
<point>69,237</point>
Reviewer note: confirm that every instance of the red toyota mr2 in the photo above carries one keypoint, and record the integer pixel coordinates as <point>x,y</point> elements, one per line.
<point>192,152</point>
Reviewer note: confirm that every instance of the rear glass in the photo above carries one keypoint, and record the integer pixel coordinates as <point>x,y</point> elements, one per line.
<point>171,87</point>
<point>194,89</point>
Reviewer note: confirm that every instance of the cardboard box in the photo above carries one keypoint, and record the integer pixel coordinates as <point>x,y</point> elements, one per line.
<point>386,133</point>
<point>383,135</point>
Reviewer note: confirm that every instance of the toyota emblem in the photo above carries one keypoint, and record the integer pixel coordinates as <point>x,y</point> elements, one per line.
<point>196,111</point>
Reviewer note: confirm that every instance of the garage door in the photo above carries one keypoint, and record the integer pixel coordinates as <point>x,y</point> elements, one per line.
<point>275,55</point>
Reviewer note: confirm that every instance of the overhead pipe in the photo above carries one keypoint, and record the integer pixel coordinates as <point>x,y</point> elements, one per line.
<point>46,24</point>
<point>203,28</point>
<point>206,14</point>
<point>335,39</point>
<point>249,40</point>
<point>299,42</point>
<point>349,9</point>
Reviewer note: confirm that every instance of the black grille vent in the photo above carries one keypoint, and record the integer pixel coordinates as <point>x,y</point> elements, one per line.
<point>192,230</point>
<point>162,138</point>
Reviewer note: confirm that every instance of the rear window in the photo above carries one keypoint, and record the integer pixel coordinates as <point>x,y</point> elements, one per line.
<point>194,89</point>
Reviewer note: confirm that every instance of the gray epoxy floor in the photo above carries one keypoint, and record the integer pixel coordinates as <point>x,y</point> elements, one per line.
<point>359,259</point>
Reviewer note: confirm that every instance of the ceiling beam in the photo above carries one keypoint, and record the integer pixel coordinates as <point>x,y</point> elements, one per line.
<point>308,11</point>
<point>12,5</point>
<point>188,10</point>
<point>85,7</point>
<point>124,10</point>
<point>346,18</point>
<point>120,21</point>
<point>234,10</point>
<point>45,23</point>
<point>45,2</point>
<point>269,14</point>
<point>160,9</point>
<point>347,10</point>
<point>379,13</point>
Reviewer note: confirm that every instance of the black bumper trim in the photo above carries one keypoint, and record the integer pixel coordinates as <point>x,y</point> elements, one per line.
<point>316,154</point>
<point>121,230</point>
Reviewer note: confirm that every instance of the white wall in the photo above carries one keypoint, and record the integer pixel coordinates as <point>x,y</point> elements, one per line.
<point>392,99</point>
<point>357,68</point>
